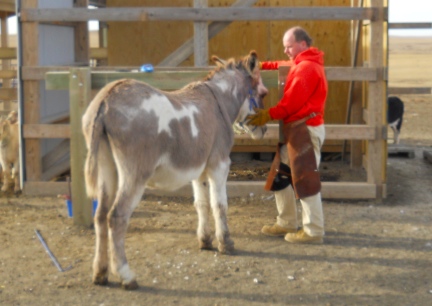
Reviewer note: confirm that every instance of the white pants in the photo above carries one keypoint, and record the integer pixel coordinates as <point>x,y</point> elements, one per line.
<point>312,211</point>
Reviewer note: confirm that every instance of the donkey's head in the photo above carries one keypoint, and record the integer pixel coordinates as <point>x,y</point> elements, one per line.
<point>256,91</point>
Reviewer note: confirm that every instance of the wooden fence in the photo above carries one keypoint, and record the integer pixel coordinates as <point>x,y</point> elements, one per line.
<point>373,132</point>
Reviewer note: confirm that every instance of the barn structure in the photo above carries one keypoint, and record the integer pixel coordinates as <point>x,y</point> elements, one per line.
<point>59,73</point>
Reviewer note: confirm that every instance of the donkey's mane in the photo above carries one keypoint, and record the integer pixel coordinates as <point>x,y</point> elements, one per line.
<point>230,64</point>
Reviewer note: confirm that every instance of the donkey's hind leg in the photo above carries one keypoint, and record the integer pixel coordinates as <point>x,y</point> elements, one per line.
<point>219,203</point>
<point>202,206</point>
<point>106,194</point>
<point>128,196</point>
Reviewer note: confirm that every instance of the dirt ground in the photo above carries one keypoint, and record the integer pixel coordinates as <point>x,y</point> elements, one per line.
<point>373,254</point>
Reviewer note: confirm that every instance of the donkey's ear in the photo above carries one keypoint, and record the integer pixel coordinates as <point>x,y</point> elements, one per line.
<point>218,61</point>
<point>252,60</point>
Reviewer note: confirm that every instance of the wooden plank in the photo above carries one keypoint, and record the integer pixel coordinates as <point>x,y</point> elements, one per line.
<point>162,80</point>
<point>36,131</point>
<point>32,161</point>
<point>200,37</point>
<point>8,94</point>
<point>170,80</point>
<point>8,53</point>
<point>377,148</point>
<point>330,190</point>
<point>350,132</point>
<point>45,188</point>
<point>98,53</point>
<point>410,25</point>
<point>409,91</point>
<point>79,96</point>
<point>7,6</point>
<point>204,14</point>
<point>333,132</point>
<point>351,73</point>
<point>81,36</point>
<point>8,74</point>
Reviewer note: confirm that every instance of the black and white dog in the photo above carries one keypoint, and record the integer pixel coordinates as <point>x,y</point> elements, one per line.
<point>395,113</point>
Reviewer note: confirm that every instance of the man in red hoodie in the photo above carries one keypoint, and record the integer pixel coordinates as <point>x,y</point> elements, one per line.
<point>303,101</point>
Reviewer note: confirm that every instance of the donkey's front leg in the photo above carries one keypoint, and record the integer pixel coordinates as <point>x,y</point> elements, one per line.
<point>218,199</point>
<point>202,206</point>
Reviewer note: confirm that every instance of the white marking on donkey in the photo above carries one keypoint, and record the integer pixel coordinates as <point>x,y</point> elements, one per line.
<point>140,137</point>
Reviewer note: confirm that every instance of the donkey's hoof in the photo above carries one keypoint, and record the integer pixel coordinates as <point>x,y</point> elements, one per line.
<point>227,247</point>
<point>132,285</point>
<point>100,280</point>
<point>205,244</point>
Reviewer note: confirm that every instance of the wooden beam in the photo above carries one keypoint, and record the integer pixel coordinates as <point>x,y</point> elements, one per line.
<point>32,161</point>
<point>409,90</point>
<point>377,148</point>
<point>410,25</point>
<point>98,53</point>
<point>8,94</point>
<point>8,74</point>
<point>330,190</point>
<point>204,14</point>
<point>170,80</point>
<point>200,38</point>
<point>333,131</point>
<point>81,36</point>
<point>7,6</point>
<point>45,188</point>
<point>79,97</point>
<point>37,131</point>
<point>8,53</point>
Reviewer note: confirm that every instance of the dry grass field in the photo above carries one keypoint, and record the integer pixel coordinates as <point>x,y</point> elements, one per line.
<point>375,253</point>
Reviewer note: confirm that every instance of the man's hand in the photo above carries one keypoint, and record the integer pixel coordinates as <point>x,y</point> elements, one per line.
<point>261,117</point>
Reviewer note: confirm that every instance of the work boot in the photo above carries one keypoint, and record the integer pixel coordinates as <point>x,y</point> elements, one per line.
<point>276,230</point>
<point>301,237</point>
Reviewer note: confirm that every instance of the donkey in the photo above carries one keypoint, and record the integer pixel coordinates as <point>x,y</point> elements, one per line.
<point>9,152</point>
<point>140,137</point>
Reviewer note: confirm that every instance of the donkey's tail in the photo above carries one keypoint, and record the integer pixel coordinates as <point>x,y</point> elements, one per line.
<point>93,133</point>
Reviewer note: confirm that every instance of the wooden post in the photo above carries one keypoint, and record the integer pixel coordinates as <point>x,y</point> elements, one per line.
<point>377,149</point>
<point>79,93</point>
<point>200,38</point>
<point>82,51</point>
<point>31,95</point>
<point>5,62</point>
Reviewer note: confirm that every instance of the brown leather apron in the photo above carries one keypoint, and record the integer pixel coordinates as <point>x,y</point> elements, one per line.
<point>302,161</point>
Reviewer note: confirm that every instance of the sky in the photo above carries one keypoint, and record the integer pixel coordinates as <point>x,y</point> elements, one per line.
<point>410,11</point>
<point>399,11</point>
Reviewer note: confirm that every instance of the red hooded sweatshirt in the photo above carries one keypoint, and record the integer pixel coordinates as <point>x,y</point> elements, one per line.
<point>305,90</point>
